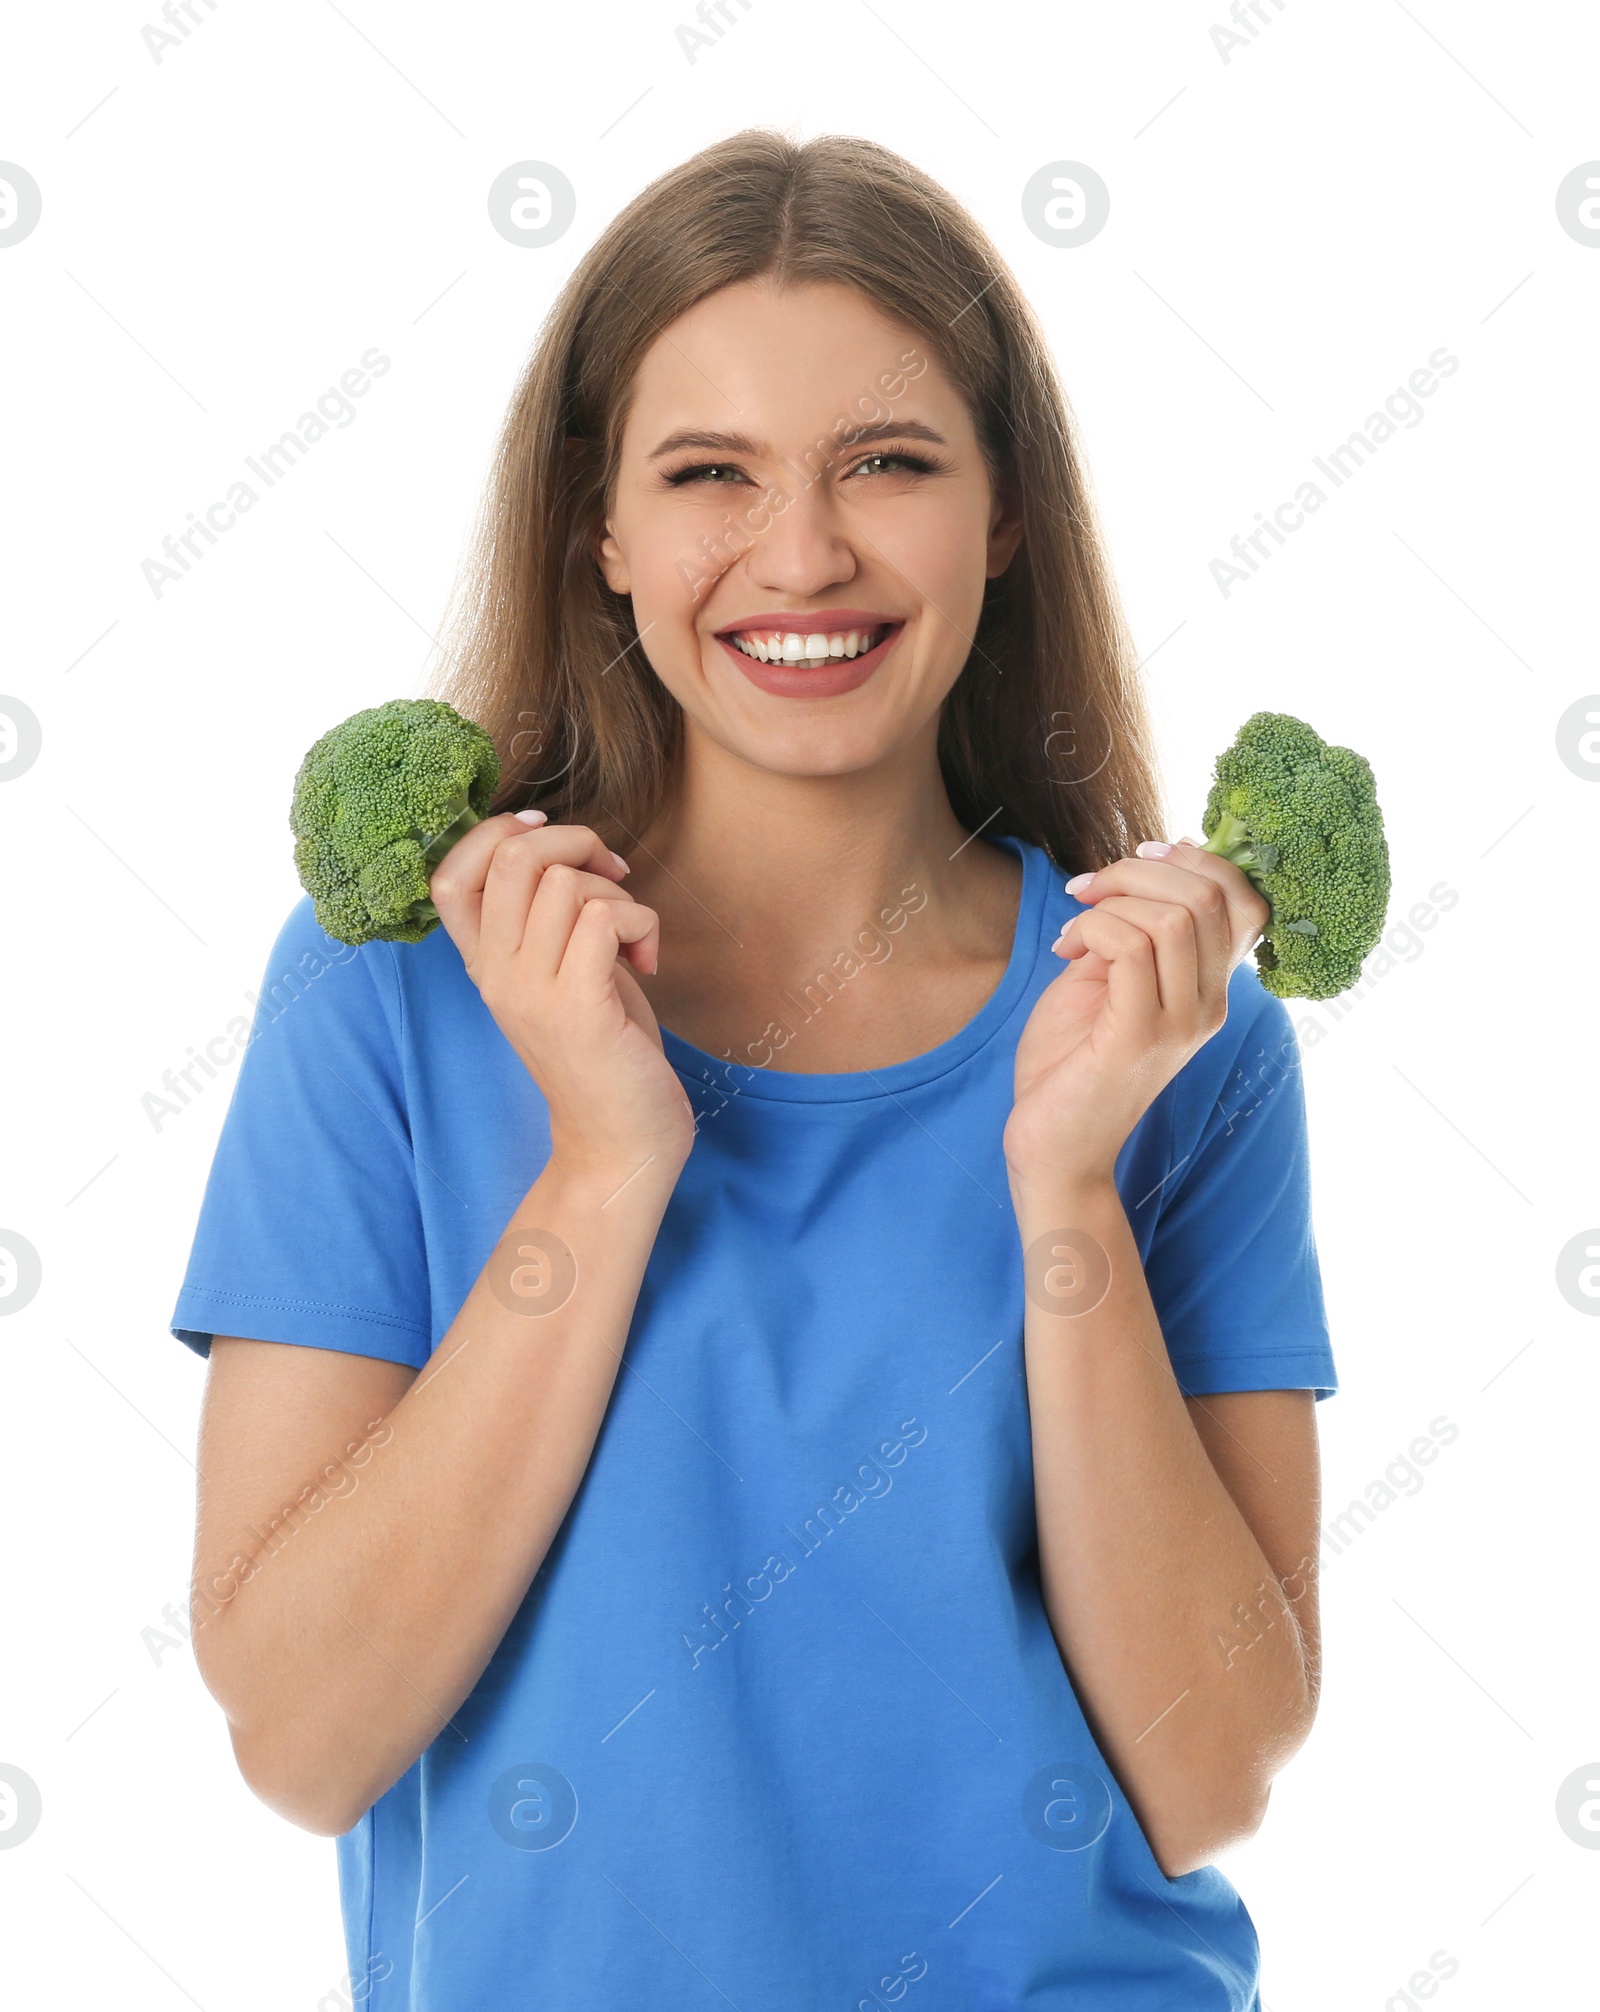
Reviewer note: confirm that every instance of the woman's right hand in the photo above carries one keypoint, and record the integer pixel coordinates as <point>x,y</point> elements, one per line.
<point>547,936</point>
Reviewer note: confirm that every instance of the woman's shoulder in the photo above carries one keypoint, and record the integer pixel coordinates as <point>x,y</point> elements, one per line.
<point>303,951</point>
<point>337,990</point>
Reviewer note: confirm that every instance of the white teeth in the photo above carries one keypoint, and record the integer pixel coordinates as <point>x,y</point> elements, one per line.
<point>815,648</point>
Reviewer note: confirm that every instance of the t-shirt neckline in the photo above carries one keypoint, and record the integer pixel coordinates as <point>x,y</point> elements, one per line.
<point>730,1077</point>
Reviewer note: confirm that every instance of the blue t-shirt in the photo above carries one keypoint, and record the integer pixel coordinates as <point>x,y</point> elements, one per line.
<point>781,1723</point>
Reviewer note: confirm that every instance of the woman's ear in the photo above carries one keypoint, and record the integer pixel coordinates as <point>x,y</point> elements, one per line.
<point>607,553</point>
<point>1005,528</point>
<point>608,557</point>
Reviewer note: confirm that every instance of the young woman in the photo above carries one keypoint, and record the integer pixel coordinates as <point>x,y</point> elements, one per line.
<point>759,1442</point>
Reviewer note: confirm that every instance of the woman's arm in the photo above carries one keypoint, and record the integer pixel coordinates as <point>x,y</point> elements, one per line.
<point>1177,1546</point>
<point>366,1533</point>
<point>1176,1556</point>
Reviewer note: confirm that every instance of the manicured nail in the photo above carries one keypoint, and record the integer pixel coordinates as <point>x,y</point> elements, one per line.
<point>533,816</point>
<point>1154,848</point>
<point>1079,882</point>
<point>621,862</point>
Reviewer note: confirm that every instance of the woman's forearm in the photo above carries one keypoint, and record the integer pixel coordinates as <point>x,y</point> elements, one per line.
<point>1144,1558</point>
<point>344,1648</point>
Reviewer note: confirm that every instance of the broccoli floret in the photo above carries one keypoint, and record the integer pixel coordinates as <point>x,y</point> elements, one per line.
<point>1301,819</point>
<point>378,802</point>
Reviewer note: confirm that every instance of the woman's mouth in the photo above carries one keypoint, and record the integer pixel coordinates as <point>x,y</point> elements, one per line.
<point>810,662</point>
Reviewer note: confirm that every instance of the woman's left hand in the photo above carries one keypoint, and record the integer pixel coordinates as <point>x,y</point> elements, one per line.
<point>1147,986</point>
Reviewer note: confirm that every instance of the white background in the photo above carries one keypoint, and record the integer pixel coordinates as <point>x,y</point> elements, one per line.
<point>1292,233</point>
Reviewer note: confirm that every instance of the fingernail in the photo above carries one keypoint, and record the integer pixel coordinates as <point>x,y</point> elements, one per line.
<point>1154,848</point>
<point>533,816</point>
<point>1190,841</point>
<point>621,862</point>
<point>1079,882</point>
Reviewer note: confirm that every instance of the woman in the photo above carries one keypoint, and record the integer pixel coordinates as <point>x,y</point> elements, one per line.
<point>782,1474</point>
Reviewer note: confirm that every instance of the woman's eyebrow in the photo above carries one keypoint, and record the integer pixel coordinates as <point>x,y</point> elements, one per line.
<point>740,443</point>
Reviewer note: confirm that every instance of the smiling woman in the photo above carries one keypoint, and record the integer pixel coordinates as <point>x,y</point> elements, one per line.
<point>883,317</point>
<point>788,554</point>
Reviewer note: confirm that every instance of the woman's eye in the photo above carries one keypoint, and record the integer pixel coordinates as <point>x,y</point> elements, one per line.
<point>878,464</point>
<point>702,470</point>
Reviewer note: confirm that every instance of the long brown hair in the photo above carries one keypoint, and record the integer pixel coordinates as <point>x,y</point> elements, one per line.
<point>1045,733</point>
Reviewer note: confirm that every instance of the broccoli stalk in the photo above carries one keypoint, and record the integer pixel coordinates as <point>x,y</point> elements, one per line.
<point>462,818</point>
<point>378,802</point>
<point>1300,819</point>
<point>1232,840</point>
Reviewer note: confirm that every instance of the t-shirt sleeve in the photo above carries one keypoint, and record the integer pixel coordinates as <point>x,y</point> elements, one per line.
<point>310,1229</point>
<point>1232,1269</point>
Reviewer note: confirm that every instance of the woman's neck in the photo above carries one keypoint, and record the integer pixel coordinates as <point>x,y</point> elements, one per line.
<point>762,880</point>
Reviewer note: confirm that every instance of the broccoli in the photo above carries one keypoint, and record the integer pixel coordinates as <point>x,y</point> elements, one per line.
<point>1301,819</point>
<point>378,802</point>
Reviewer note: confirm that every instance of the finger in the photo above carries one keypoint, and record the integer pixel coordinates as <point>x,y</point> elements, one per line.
<point>515,862</point>
<point>1218,929</point>
<point>467,860</point>
<point>1174,932</point>
<point>558,903</point>
<point>1249,911</point>
<point>1129,957</point>
<point>602,932</point>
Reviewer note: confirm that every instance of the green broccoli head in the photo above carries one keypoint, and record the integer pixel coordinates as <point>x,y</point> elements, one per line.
<point>378,802</point>
<point>1301,818</point>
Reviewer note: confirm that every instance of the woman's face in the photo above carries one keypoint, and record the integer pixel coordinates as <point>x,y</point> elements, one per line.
<point>800,481</point>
